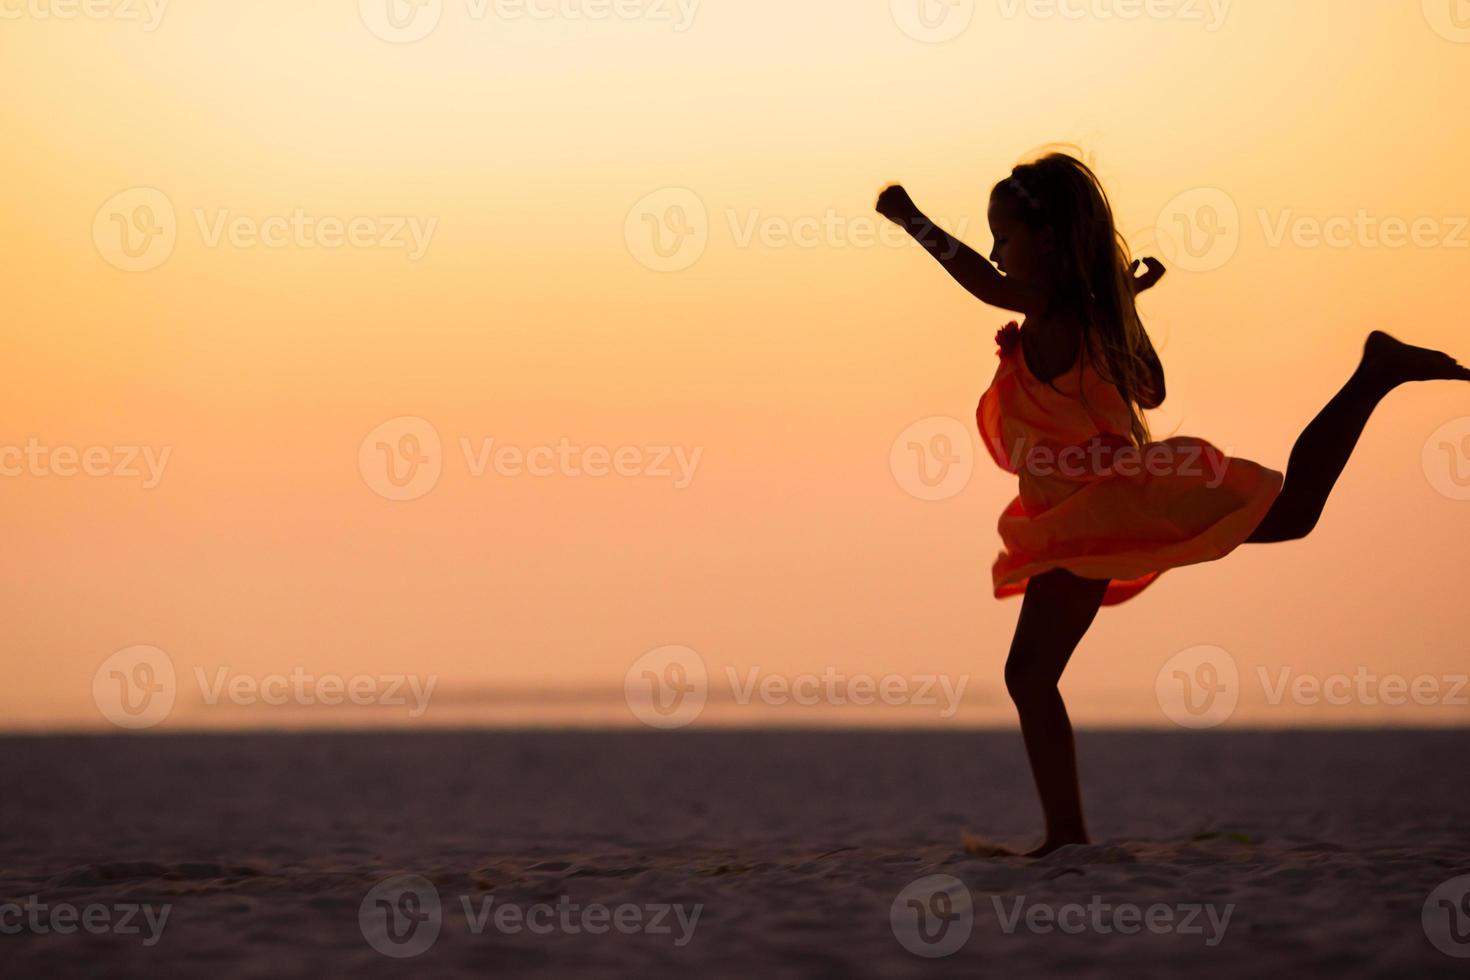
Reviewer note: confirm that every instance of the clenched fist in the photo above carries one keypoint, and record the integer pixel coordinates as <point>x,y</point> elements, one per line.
<point>896,205</point>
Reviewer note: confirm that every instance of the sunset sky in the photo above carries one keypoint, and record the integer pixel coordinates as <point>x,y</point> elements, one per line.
<point>241,237</point>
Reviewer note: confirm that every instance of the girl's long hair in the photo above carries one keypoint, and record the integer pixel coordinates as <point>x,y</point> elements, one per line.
<point>1093,274</point>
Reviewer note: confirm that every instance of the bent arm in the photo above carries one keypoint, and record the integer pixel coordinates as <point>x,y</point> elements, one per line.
<point>1152,271</point>
<point>968,268</point>
<point>1153,397</point>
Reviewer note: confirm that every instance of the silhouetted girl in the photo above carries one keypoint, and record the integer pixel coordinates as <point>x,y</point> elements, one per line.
<point>1104,510</point>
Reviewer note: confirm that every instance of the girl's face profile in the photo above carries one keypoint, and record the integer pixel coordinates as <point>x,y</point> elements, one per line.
<point>1018,250</point>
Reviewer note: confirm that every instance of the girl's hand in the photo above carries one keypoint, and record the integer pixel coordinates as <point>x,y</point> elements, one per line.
<point>1153,271</point>
<point>896,205</point>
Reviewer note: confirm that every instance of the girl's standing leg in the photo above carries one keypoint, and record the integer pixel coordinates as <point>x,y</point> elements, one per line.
<point>1323,449</point>
<point>1057,610</point>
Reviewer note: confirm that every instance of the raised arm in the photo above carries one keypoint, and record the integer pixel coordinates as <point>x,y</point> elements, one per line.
<point>965,265</point>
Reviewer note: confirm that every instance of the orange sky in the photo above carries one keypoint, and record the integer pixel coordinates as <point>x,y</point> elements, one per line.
<point>499,176</point>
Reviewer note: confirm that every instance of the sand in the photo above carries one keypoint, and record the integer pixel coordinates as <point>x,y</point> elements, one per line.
<point>774,854</point>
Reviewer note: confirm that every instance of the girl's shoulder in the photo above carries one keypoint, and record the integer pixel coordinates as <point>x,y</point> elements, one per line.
<point>1051,344</point>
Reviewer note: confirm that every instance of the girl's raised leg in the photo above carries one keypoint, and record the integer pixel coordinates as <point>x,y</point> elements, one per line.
<point>1324,446</point>
<point>1057,610</point>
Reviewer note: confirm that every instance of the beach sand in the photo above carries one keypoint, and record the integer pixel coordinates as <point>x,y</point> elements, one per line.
<point>743,854</point>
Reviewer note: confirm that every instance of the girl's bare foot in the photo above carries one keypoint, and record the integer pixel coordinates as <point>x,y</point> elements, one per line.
<point>977,846</point>
<point>1392,362</point>
<point>1055,844</point>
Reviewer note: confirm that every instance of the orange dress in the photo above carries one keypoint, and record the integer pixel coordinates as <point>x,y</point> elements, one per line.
<point>1094,503</point>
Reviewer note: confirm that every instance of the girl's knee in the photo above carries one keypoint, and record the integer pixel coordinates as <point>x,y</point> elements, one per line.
<point>1026,684</point>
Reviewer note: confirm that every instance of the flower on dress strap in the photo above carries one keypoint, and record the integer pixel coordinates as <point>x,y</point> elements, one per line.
<point>1008,339</point>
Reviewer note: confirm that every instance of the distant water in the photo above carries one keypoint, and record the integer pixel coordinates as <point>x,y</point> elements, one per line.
<point>445,704</point>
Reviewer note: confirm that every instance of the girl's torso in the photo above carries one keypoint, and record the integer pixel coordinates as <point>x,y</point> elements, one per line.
<point>1047,409</point>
